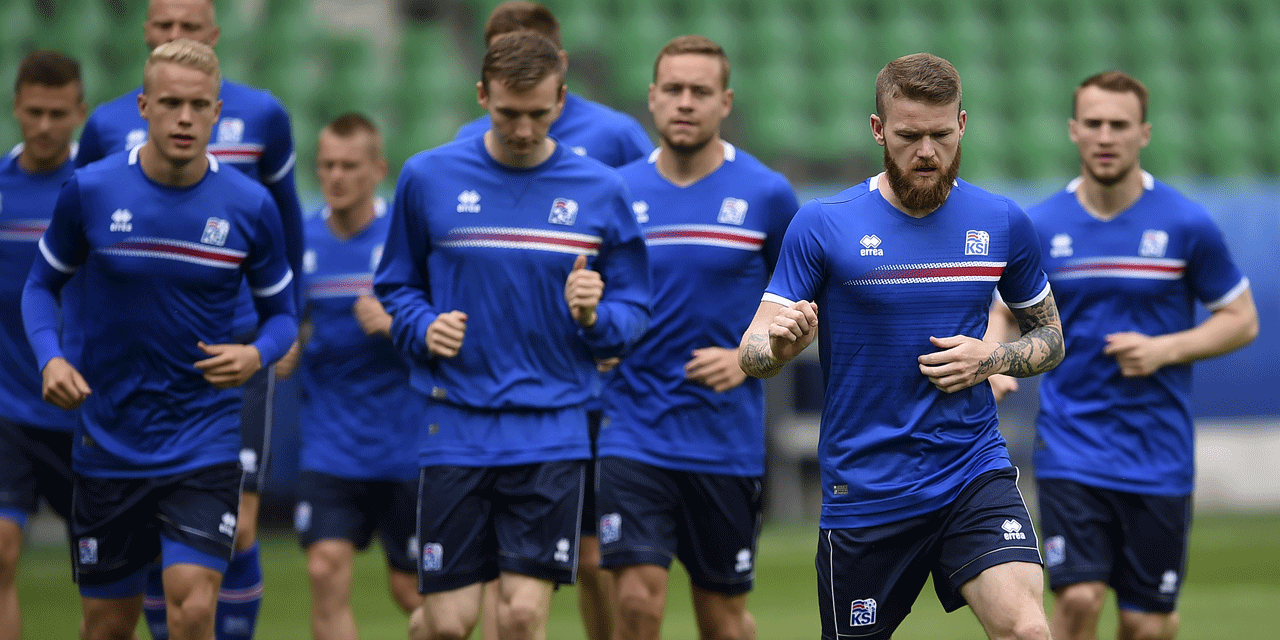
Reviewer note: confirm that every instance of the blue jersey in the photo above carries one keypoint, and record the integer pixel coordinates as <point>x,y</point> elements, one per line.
<point>588,129</point>
<point>360,417</point>
<point>1141,271</point>
<point>892,445</point>
<point>26,204</point>
<point>712,246</point>
<point>471,234</point>
<point>162,268</point>
<point>252,135</point>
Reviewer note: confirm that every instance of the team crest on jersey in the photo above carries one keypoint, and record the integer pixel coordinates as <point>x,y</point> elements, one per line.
<point>135,138</point>
<point>1055,551</point>
<point>88,550</point>
<point>610,527</point>
<point>641,209</point>
<point>863,613</point>
<point>732,211</point>
<point>375,257</point>
<point>976,243</point>
<point>215,232</point>
<point>230,130</point>
<point>582,151</point>
<point>1060,246</point>
<point>302,516</point>
<point>309,261</point>
<point>1154,243</point>
<point>432,556</point>
<point>563,211</point>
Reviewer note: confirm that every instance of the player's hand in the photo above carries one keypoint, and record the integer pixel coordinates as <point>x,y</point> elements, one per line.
<point>583,290</point>
<point>608,364</point>
<point>231,364</point>
<point>793,328</point>
<point>1137,354</point>
<point>373,319</point>
<point>715,367</point>
<point>961,363</point>
<point>1002,385</point>
<point>445,334</point>
<point>63,386</point>
<point>288,363</point>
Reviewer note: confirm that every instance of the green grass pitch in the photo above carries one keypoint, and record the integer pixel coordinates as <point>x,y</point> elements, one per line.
<point>1232,591</point>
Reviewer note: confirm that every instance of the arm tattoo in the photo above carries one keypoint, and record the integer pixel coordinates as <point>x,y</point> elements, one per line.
<point>1040,347</point>
<point>756,357</point>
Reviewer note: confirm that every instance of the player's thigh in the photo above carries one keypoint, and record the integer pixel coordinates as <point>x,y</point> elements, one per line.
<point>19,494</point>
<point>115,535</point>
<point>456,542</point>
<point>1152,561</point>
<point>640,508</point>
<point>110,617</point>
<point>330,563</point>
<point>199,516</point>
<point>537,522</point>
<point>1081,530</point>
<point>394,514</point>
<point>1009,598</point>
<point>452,611</point>
<point>334,508</point>
<point>722,516</point>
<point>525,597</point>
<point>868,578</point>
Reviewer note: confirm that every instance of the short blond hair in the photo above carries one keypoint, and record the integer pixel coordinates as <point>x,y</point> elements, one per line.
<point>188,53</point>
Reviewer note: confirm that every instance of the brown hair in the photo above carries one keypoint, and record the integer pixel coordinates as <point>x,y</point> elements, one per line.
<point>519,14</point>
<point>520,60</point>
<point>48,68</point>
<point>1117,81</point>
<point>351,124</point>
<point>922,77</point>
<point>698,45</point>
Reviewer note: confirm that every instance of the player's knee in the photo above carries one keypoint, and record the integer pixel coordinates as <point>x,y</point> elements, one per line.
<point>10,551</point>
<point>1149,626</point>
<point>741,627</point>
<point>1080,601</point>
<point>323,568</point>
<point>520,619</point>
<point>639,609</point>
<point>190,615</point>
<point>246,533</point>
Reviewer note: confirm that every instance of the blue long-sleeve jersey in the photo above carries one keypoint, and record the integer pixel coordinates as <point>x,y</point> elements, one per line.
<point>252,134</point>
<point>498,243</point>
<point>162,268</point>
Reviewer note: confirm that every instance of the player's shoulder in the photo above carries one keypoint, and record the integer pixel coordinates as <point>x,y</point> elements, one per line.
<point>744,163</point>
<point>640,169</point>
<point>570,165</point>
<point>447,156</point>
<point>243,96</point>
<point>124,104</point>
<point>858,195</point>
<point>229,178</point>
<point>1061,200</point>
<point>980,196</point>
<point>1169,197</point>
<point>110,168</point>
<point>602,114</point>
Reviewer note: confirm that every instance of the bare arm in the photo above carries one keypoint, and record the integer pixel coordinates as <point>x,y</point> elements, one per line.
<point>777,335</point>
<point>1227,329</point>
<point>964,361</point>
<point>1001,327</point>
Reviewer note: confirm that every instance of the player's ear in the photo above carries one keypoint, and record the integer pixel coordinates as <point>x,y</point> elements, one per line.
<point>482,95</point>
<point>877,129</point>
<point>213,40</point>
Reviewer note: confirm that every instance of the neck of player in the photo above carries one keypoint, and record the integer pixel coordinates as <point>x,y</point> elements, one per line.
<point>169,172</point>
<point>683,167</point>
<point>29,163</point>
<point>1106,201</point>
<point>504,155</point>
<point>346,223</point>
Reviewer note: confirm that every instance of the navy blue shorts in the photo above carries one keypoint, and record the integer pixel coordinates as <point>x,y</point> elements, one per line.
<point>117,524</point>
<point>34,462</point>
<point>330,507</point>
<point>710,522</point>
<point>869,578</point>
<point>1136,544</point>
<point>475,522</point>
<point>589,514</point>
<point>256,415</point>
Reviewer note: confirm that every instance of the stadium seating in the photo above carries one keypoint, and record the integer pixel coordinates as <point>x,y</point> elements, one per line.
<point>803,70</point>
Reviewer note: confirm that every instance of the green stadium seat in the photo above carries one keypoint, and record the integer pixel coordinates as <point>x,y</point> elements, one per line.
<point>1173,144</point>
<point>353,77</point>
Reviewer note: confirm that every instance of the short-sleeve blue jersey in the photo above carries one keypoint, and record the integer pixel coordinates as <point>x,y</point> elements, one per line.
<point>162,267</point>
<point>496,242</point>
<point>588,129</point>
<point>252,134</point>
<point>360,417</point>
<point>712,246</point>
<point>1143,271</point>
<point>26,204</point>
<point>892,446</point>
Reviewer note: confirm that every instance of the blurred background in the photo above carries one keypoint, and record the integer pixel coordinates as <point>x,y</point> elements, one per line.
<point>804,75</point>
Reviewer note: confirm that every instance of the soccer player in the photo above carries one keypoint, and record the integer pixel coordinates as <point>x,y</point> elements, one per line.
<point>1129,257</point>
<point>511,265</point>
<point>165,237</point>
<point>682,455</point>
<point>360,417</point>
<point>35,437</point>
<point>253,136</point>
<point>614,138</point>
<point>895,277</point>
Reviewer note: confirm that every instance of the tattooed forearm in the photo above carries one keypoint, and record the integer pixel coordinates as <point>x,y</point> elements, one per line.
<point>1038,350</point>
<point>755,356</point>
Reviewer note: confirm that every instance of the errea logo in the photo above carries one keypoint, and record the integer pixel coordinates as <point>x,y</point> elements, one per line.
<point>469,202</point>
<point>122,221</point>
<point>1013,530</point>
<point>871,245</point>
<point>228,526</point>
<point>641,209</point>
